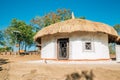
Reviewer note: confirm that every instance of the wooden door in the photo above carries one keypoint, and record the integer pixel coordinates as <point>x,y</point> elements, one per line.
<point>63,48</point>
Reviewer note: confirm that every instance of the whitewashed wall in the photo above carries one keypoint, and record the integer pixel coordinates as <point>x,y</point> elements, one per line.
<point>99,42</point>
<point>76,43</point>
<point>48,48</point>
<point>117,47</point>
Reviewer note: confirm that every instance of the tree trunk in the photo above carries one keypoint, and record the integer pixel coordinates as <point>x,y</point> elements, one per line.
<point>25,47</point>
<point>19,49</point>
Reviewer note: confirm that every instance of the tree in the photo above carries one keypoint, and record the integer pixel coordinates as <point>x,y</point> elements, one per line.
<point>51,18</point>
<point>3,46</point>
<point>2,38</point>
<point>82,17</point>
<point>64,14</point>
<point>20,33</point>
<point>117,28</point>
<point>111,48</point>
<point>112,45</point>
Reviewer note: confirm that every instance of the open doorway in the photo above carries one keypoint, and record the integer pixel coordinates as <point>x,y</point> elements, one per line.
<point>112,51</point>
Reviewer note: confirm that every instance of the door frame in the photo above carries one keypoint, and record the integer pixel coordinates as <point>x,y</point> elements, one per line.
<point>58,56</point>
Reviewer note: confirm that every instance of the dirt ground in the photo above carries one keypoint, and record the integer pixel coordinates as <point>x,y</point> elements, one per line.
<point>14,68</point>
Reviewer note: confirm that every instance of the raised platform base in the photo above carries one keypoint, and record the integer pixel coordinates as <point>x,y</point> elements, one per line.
<point>72,62</point>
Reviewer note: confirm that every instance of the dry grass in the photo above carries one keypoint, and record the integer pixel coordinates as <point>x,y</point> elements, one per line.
<point>20,58</point>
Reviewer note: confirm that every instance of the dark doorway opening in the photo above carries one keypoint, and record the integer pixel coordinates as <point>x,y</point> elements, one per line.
<point>63,48</point>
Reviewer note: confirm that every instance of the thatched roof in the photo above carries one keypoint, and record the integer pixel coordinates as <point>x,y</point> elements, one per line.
<point>76,25</point>
<point>118,40</point>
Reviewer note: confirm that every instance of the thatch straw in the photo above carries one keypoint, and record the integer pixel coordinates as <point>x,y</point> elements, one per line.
<point>118,40</point>
<point>75,25</point>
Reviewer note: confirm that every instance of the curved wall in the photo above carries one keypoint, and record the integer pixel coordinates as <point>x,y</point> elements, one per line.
<point>77,41</point>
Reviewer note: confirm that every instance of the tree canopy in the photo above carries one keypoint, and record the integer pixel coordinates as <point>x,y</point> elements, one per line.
<point>2,38</point>
<point>52,17</point>
<point>20,33</point>
<point>117,28</point>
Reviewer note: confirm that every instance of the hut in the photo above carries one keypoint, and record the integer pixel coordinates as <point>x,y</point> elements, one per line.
<point>76,39</point>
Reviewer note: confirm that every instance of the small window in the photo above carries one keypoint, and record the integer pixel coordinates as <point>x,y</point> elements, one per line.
<point>88,46</point>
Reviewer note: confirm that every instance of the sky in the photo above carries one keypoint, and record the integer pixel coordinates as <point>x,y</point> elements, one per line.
<point>105,11</point>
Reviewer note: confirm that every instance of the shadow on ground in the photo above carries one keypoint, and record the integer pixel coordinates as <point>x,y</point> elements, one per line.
<point>2,62</point>
<point>114,59</point>
<point>84,75</point>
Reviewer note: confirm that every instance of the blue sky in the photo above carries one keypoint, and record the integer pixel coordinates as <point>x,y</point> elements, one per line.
<point>106,11</point>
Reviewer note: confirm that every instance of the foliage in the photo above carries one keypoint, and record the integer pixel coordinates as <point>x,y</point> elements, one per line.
<point>52,17</point>
<point>112,48</point>
<point>20,33</point>
<point>112,45</point>
<point>2,38</point>
<point>117,28</point>
<point>82,17</point>
<point>3,49</point>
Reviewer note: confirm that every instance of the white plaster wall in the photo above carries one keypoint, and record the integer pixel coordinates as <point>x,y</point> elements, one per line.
<point>117,47</point>
<point>99,42</point>
<point>76,43</point>
<point>48,48</point>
